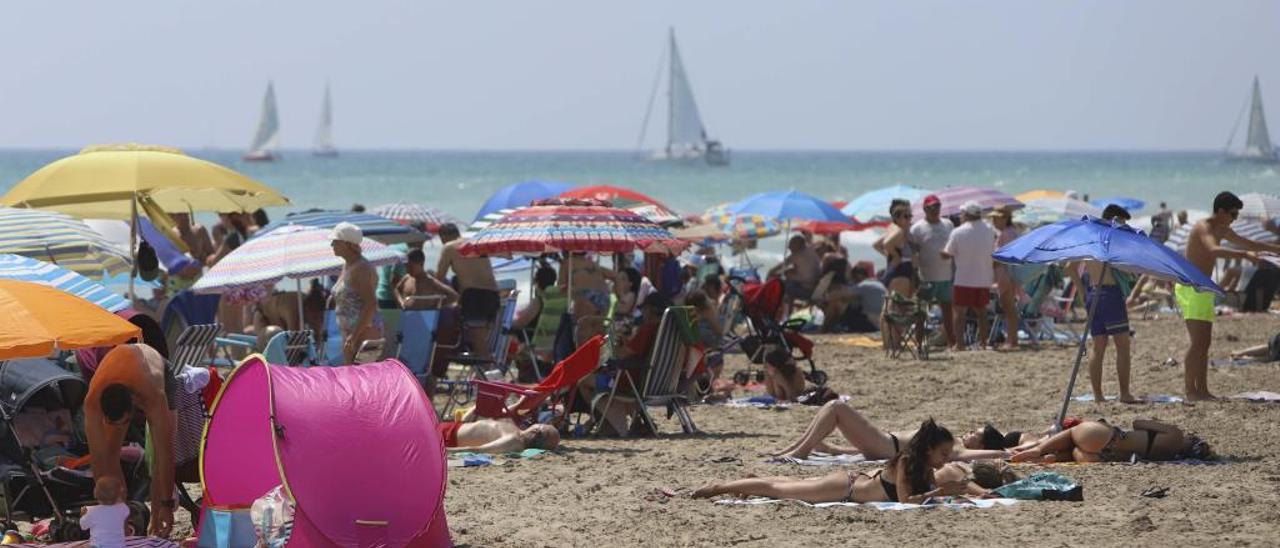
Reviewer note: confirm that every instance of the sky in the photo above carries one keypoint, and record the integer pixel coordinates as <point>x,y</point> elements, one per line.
<point>800,74</point>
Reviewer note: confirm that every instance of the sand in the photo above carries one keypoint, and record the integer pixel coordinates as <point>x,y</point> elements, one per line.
<point>602,492</point>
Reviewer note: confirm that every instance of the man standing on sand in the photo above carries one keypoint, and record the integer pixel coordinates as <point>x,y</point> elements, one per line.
<point>1110,320</point>
<point>1197,306</point>
<point>478,290</point>
<point>929,235</point>
<point>970,247</point>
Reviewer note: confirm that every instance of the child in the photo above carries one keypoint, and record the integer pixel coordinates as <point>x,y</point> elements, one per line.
<point>105,522</point>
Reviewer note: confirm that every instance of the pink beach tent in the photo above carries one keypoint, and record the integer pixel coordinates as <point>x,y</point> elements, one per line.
<point>355,447</point>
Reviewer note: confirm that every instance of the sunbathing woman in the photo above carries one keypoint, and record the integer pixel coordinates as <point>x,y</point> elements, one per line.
<point>919,472</point>
<point>876,444</point>
<point>1094,441</point>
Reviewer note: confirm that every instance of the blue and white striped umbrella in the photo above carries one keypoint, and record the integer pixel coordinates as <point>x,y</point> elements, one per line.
<point>26,269</point>
<point>372,226</point>
<point>1249,229</point>
<point>60,239</point>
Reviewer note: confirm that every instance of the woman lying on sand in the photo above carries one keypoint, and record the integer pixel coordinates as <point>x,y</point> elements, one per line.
<point>1092,441</point>
<point>876,444</point>
<point>920,471</point>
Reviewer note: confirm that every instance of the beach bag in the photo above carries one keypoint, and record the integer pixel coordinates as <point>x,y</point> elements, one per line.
<point>817,395</point>
<point>1043,486</point>
<point>272,516</point>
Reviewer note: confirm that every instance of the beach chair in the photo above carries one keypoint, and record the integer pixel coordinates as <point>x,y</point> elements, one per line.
<point>331,350</point>
<point>290,348</point>
<point>186,309</point>
<point>493,397</point>
<point>662,381</point>
<point>495,365</point>
<point>906,321</point>
<point>417,339</point>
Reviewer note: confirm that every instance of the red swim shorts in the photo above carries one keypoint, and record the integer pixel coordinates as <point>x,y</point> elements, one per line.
<point>971,297</point>
<point>449,433</point>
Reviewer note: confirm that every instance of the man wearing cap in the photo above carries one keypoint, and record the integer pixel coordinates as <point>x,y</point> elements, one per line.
<point>929,235</point>
<point>970,247</point>
<point>477,289</point>
<point>1110,320</point>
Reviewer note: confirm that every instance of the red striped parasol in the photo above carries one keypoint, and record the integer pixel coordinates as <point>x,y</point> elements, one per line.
<point>954,197</point>
<point>555,225</point>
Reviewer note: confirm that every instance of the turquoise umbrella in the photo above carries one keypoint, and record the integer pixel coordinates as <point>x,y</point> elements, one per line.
<point>873,207</point>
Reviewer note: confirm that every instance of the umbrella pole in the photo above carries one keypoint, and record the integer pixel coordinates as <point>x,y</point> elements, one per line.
<point>1084,336</point>
<point>302,322</point>
<point>133,246</point>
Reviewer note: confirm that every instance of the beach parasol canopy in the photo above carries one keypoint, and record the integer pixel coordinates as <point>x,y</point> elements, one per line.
<point>521,195</point>
<point>487,219</point>
<point>741,227</point>
<point>37,320</point>
<point>372,226</point>
<point>1249,229</point>
<point>1260,206</point>
<point>1040,211</point>
<point>419,215</point>
<point>702,234</point>
<point>873,206</point>
<point>61,240</point>
<point>831,228</point>
<point>104,181</point>
<point>954,197</point>
<point>788,206</point>
<point>25,269</point>
<point>1040,194</point>
<point>1132,205</point>
<point>571,225</point>
<point>625,198</point>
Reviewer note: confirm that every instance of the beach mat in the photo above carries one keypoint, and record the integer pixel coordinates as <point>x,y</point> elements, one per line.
<point>1146,398</point>
<point>1233,362</point>
<point>861,341</point>
<point>941,502</point>
<point>823,459</point>
<point>129,542</point>
<point>1260,396</point>
<point>473,460</point>
<point>767,401</point>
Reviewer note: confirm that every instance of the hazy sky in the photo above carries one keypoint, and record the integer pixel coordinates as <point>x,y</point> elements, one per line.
<point>797,74</point>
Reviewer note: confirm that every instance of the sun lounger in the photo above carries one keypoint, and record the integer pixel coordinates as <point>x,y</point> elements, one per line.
<point>492,397</point>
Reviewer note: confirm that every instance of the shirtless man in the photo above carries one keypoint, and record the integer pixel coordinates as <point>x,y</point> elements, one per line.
<point>799,270</point>
<point>1197,306</point>
<point>478,289</point>
<point>417,282</point>
<point>496,436</point>
<point>1110,319</point>
<point>196,236</point>
<point>132,377</point>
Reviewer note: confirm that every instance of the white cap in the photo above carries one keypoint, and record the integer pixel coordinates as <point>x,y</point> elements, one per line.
<point>972,209</point>
<point>346,232</point>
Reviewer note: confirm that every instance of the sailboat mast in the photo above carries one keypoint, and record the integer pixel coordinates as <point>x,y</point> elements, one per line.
<point>672,61</point>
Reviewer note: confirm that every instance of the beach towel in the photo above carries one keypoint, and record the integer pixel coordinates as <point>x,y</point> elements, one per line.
<point>471,460</point>
<point>1148,398</point>
<point>766,401</point>
<point>936,502</point>
<point>1040,486</point>
<point>1221,362</point>
<point>823,459</point>
<point>129,542</point>
<point>861,341</point>
<point>1260,396</point>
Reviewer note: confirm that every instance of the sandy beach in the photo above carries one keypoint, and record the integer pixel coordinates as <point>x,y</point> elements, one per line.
<point>605,492</point>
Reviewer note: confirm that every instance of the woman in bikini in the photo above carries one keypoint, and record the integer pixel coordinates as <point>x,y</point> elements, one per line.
<point>1095,441</point>
<point>896,248</point>
<point>919,472</point>
<point>590,293</point>
<point>876,444</point>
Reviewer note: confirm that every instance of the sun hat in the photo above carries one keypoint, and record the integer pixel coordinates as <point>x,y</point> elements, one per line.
<point>346,232</point>
<point>971,209</point>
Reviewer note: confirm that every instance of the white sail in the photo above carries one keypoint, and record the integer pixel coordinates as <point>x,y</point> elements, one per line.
<point>324,131</point>
<point>267,138</point>
<point>684,124</point>
<point>1258,144</point>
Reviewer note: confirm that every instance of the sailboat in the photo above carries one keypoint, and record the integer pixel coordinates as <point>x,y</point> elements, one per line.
<point>324,132</point>
<point>1257,146</point>
<point>267,138</point>
<point>686,135</point>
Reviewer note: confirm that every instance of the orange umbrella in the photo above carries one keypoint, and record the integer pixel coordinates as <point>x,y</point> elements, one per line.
<point>36,320</point>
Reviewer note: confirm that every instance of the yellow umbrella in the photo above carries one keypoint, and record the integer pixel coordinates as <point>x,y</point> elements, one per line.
<point>36,320</point>
<point>1040,194</point>
<point>104,182</point>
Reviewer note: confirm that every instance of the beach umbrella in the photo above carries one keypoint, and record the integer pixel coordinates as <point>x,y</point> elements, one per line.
<point>1260,206</point>
<point>954,197</point>
<point>703,234</point>
<point>487,219</point>
<point>788,206</point>
<point>373,226</point>
<point>413,214</point>
<point>873,206</point>
<point>1040,211</point>
<point>1132,205</point>
<point>741,227</point>
<point>521,195</point>
<point>571,225</point>
<point>831,228</point>
<point>1249,229</point>
<point>625,198</point>
<point>26,269</point>
<point>1040,194</point>
<point>61,240</point>
<point>1115,246</point>
<point>38,320</point>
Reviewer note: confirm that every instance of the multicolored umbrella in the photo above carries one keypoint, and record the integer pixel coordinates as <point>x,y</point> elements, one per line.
<point>625,198</point>
<point>416,215</point>
<point>376,227</point>
<point>571,225</point>
<point>26,269</point>
<point>741,227</point>
<point>1249,229</point>
<point>1260,206</point>
<point>788,206</point>
<point>521,195</point>
<point>487,219</point>
<point>61,240</point>
<point>288,252</point>
<point>873,206</point>
<point>1042,211</point>
<point>954,197</point>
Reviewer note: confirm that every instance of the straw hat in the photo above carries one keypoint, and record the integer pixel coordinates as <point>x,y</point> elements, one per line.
<point>1002,211</point>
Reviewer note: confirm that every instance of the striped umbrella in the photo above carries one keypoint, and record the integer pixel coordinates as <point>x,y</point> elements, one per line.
<point>379,228</point>
<point>1249,229</point>
<point>1043,211</point>
<point>26,269</point>
<point>571,225</point>
<point>61,240</point>
<point>412,214</point>
<point>487,219</point>
<point>742,227</point>
<point>288,252</point>
<point>1260,206</point>
<point>625,198</point>
<point>954,197</point>
<point>873,206</point>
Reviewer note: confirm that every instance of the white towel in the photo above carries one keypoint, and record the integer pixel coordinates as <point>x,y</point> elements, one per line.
<point>823,459</point>
<point>950,502</point>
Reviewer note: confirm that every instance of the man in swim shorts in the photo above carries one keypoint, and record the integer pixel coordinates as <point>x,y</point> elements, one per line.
<point>1110,320</point>
<point>1203,250</point>
<point>477,288</point>
<point>496,436</point>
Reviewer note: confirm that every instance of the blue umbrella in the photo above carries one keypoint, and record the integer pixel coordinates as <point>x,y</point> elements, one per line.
<point>521,195</point>
<point>873,207</point>
<point>1131,205</point>
<point>1115,246</point>
<point>17,267</point>
<point>378,228</point>
<point>787,206</point>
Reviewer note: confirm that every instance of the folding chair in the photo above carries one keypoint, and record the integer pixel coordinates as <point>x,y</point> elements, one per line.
<point>905,326</point>
<point>290,348</point>
<point>192,348</point>
<point>492,397</point>
<point>667,361</point>
<point>332,349</point>
<point>417,339</point>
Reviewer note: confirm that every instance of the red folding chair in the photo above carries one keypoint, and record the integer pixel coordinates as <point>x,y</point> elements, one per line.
<point>492,396</point>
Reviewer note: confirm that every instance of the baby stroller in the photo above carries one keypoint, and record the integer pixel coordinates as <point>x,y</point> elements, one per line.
<point>760,304</point>
<point>40,415</point>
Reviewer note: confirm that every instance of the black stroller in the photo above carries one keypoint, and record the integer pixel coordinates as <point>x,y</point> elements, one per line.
<point>41,422</point>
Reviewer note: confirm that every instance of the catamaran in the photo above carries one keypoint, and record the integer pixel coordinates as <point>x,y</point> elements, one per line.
<point>267,138</point>
<point>686,135</point>
<point>324,132</point>
<point>1257,146</point>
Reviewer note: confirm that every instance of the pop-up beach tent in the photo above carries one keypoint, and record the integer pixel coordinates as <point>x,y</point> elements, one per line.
<point>356,449</point>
